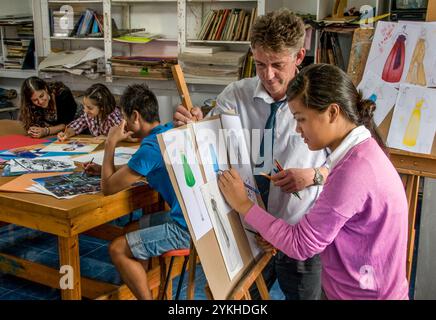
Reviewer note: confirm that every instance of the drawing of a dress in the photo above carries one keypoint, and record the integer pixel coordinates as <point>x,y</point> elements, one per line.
<point>416,74</point>
<point>394,65</point>
<point>412,129</point>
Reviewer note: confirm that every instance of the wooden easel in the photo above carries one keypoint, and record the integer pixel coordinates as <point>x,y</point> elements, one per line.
<point>254,272</point>
<point>412,167</point>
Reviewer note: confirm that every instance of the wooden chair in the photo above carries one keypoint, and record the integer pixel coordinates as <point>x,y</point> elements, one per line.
<point>11,127</point>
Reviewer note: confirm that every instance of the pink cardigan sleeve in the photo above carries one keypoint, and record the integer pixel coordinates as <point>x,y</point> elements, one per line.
<point>310,236</point>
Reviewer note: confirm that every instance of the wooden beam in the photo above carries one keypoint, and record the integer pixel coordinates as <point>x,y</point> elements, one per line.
<point>48,276</point>
<point>412,188</point>
<point>255,273</point>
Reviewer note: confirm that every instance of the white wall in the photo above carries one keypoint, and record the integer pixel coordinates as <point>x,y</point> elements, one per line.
<point>16,7</point>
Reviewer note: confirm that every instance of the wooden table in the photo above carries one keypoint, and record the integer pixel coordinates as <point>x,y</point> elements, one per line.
<point>66,218</point>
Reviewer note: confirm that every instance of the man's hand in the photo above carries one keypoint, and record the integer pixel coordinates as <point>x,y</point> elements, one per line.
<point>118,133</point>
<point>233,189</point>
<point>293,180</point>
<point>36,132</point>
<point>182,116</point>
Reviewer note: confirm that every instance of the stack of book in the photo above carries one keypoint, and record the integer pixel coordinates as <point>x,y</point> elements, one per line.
<point>222,66</point>
<point>158,68</point>
<point>227,25</point>
<point>17,52</point>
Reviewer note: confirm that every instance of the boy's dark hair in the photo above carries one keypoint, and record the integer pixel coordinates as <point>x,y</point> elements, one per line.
<point>140,98</point>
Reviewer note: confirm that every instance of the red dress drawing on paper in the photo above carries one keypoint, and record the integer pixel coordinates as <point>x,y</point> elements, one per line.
<point>394,65</point>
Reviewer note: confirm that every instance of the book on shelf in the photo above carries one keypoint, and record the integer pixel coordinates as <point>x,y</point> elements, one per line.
<point>232,58</point>
<point>227,25</point>
<point>203,49</point>
<point>86,24</point>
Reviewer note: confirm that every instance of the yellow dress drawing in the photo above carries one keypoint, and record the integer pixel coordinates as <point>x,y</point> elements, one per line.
<point>412,129</point>
<point>416,74</point>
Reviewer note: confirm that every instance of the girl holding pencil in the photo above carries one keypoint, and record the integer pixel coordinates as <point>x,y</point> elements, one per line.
<point>100,113</point>
<point>358,224</point>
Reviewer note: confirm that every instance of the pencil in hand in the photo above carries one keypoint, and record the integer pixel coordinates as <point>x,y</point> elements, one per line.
<point>280,168</point>
<point>86,167</point>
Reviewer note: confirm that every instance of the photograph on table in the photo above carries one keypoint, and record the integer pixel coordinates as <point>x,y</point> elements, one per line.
<point>52,164</point>
<point>68,185</point>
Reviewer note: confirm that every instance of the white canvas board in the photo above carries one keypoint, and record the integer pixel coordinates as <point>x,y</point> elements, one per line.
<point>382,93</point>
<point>218,211</point>
<point>180,151</point>
<point>211,147</point>
<point>413,122</point>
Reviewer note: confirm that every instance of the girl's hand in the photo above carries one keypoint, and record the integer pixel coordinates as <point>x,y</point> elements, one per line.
<point>233,189</point>
<point>118,133</point>
<point>62,136</point>
<point>36,132</point>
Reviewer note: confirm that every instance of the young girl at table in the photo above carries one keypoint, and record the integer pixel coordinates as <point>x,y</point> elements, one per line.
<point>100,113</point>
<point>46,108</point>
<point>359,222</point>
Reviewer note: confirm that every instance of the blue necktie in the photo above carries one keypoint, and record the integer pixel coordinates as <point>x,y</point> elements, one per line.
<point>262,182</point>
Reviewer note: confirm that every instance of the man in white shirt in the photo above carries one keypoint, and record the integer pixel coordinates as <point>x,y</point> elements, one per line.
<point>277,41</point>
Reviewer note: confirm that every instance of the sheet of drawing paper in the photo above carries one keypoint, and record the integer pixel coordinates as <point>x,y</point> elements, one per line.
<point>413,122</point>
<point>17,141</point>
<point>218,211</point>
<point>391,50</point>
<point>239,156</point>
<point>211,147</point>
<point>71,145</point>
<point>382,93</point>
<point>121,157</point>
<point>180,150</point>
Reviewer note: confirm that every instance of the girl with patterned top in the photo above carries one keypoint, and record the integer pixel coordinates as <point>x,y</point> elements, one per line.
<point>45,108</point>
<point>100,113</point>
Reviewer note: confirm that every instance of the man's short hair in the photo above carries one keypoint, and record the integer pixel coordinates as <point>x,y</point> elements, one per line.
<point>140,98</point>
<point>277,31</point>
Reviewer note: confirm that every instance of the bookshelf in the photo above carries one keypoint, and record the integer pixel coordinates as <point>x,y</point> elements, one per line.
<point>17,46</point>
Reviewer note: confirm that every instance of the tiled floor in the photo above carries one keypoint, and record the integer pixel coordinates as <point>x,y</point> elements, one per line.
<point>94,263</point>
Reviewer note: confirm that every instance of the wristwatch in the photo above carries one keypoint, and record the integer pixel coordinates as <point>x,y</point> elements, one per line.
<point>318,178</point>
